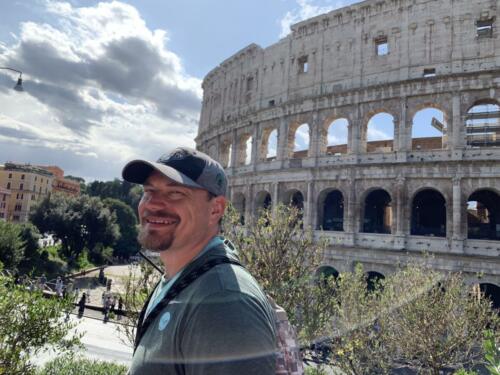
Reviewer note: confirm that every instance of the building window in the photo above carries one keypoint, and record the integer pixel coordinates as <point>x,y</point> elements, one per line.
<point>21,186</point>
<point>8,185</point>
<point>22,196</point>
<point>4,198</point>
<point>303,64</point>
<point>35,178</point>
<point>381,46</point>
<point>431,72</point>
<point>271,103</point>
<point>249,83</point>
<point>33,197</point>
<point>22,177</point>
<point>15,217</point>
<point>17,207</point>
<point>17,196</point>
<point>484,28</point>
<point>2,215</point>
<point>10,175</point>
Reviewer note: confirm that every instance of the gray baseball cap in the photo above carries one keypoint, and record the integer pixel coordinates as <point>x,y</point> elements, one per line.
<point>183,165</point>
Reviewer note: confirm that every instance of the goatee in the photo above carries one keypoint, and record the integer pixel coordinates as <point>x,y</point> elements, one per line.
<point>154,242</point>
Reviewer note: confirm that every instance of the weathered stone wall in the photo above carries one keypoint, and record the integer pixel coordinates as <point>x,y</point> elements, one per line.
<point>328,68</point>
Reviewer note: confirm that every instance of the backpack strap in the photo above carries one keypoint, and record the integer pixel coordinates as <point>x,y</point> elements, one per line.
<point>179,285</point>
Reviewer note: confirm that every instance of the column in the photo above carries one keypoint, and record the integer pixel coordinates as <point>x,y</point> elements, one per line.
<point>309,208</point>
<point>255,146</point>
<point>399,240</point>
<point>275,196</point>
<point>457,209</point>
<point>282,152</point>
<point>350,216</point>
<point>234,150</point>
<point>457,128</point>
<point>315,132</point>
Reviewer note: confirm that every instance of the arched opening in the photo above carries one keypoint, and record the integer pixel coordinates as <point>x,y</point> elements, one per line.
<point>483,215</point>
<point>272,145</point>
<point>295,199</point>
<point>337,137</point>
<point>245,150</point>
<point>380,133</point>
<point>377,212</point>
<point>373,280</point>
<point>263,201</point>
<point>428,214</point>
<point>301,142</point>
<point>239,203</point>
<point>482,125</point>
<point>492,292</point>
<point>428,131</point>
<point>326,272</point>
<point>333,211</point>
<point>225,154</point>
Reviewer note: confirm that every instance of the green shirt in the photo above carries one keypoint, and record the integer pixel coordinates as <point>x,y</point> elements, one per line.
<point>221,324</point>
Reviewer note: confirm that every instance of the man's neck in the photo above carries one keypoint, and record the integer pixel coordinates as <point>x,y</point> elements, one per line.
<point>175,260</point>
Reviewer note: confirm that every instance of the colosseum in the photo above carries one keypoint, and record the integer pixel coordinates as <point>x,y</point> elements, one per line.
<point>300,122</point>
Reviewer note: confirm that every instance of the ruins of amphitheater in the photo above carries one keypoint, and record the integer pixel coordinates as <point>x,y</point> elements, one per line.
<point>300,122</point>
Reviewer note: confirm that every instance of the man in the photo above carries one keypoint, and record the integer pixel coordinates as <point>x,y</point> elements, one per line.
<point>220,323</point>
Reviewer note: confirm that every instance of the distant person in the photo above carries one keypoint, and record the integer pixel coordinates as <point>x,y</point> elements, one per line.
<point>221,322</point>
<point>120,307</point>
<point>59,286</point>
<point>41,282</point>
<point>81,305</point>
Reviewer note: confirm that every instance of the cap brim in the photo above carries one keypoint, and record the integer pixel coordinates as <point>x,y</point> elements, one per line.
<point>137,172</point>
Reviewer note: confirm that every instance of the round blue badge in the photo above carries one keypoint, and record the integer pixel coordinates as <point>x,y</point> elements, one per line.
<point>165,318</point>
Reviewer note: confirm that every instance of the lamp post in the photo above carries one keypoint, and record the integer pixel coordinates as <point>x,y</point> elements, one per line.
<point>19,84</point>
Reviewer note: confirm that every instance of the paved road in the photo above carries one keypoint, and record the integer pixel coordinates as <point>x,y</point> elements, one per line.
<point>101,341</point>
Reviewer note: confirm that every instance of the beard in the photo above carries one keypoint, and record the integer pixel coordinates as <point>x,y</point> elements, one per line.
<point>153,241</point>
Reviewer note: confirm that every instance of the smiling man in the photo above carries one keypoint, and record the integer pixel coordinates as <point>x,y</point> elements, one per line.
<point>207,315</point>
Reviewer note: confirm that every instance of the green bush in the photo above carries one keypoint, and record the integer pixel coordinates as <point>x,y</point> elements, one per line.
<point>81,366</point>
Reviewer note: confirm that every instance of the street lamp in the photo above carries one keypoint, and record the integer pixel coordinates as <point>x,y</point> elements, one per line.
<point>19,84</point>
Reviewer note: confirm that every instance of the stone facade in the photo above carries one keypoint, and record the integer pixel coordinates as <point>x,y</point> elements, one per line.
<point>391,56</point>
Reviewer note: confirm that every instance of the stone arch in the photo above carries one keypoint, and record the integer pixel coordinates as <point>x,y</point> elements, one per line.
<point>334,137</point>
<point>372,279</point>
<point>377,212</point>
<point>429,128</point>
<point>268,149</point>
<point>492,292</point>
<point>239,203</point>
<point>331,210</point>
<point>483,215</point>
<point>225,154</point>
<point>482,124</point>
<point>428,213</point>
<point>263,201</point>
<point>327,271</point>
<point>295,198</point>
<point>380,130</point>
<point>245,149</point>
<point>297,130</point>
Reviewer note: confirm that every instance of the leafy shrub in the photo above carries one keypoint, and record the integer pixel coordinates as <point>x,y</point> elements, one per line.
<point>81,366</point>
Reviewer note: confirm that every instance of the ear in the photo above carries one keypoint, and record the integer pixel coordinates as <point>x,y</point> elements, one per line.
<point>218,208</point>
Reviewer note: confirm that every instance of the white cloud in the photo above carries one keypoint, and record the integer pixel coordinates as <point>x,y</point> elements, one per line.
<point>100,85</point>
<point>306,9</point>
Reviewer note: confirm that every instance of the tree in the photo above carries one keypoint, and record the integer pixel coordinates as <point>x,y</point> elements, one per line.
<point>70,366</point>
<point>29,323</point>
<point>417,317</point>
<point>284,256</point>
<point>30,235</point>
<point>11,244</point>
<point>126,219</point>
<point>81,222</point>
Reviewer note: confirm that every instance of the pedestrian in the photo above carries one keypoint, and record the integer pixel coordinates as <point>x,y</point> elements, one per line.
<point>41,282</point>
<point>207,315</point>
<point>81,305</point>
<point>107,308</point>
<point>59,286</point>
<point>113,304</point>
<point>120,307</point>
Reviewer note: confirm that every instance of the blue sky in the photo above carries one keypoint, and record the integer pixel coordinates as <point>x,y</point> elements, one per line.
<point>109,81</point>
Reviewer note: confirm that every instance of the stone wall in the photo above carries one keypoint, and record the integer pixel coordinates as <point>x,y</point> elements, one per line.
<point>441,54</point>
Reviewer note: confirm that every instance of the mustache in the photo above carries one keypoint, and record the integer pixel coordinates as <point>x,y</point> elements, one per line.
<point>159,214</point>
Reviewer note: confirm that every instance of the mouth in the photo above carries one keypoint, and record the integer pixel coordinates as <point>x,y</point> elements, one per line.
<point>160,221</point>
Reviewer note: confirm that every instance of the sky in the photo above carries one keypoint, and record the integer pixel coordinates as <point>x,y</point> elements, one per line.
<point>110,81</point>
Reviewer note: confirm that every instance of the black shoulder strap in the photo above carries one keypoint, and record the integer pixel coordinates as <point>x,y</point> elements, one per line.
<point>179,285</point>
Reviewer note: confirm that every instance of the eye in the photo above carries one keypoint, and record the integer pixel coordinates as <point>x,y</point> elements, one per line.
<point>176,194</point>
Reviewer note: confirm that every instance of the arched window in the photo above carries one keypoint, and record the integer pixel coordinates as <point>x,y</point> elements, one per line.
<point>380,133</point>
<point>428,131</point>
<point>263,201</point>
<point>248,151</point>
<point>377,212</point>
<point>373,280</point>
<point>239,203</point>
<point>225,154</point>
<point>428,214</point>
<point>483,215</point>
<point>272,145</point>
<point>482,125</point>
<point>333,211</point>
<point>337,137</point>
<point>301,142</point>
<point>492,292</point>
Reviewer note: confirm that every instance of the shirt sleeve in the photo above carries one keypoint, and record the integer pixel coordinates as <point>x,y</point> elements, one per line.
<point>229,333</point>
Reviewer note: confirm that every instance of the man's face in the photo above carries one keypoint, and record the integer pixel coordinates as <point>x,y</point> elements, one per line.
<point>173,216</point>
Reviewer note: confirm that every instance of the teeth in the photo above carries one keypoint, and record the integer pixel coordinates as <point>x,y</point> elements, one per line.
<point>160,221</point>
